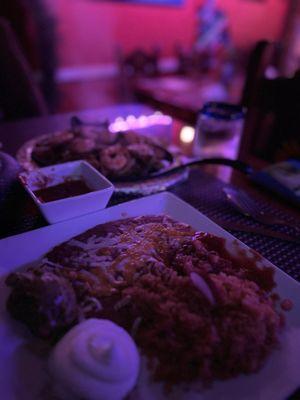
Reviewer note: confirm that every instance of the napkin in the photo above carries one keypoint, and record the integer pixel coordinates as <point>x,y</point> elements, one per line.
<point>282,178</point>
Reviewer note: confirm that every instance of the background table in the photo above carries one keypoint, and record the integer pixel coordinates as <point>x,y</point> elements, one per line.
<point>183,96</point>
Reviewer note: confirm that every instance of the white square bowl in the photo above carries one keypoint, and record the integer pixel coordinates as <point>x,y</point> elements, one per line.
<point>69,207</point>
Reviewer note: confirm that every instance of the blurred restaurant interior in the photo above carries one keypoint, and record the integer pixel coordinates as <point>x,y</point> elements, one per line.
<point>208,79</point>
<point>80,53</point>
<point>174,56</point>
<point>181,118</point>
<point>180,61</point>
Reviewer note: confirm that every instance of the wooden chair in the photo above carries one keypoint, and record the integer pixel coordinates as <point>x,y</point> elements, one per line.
<point>136,65</point>
<point>139,63</point>
<point>20,96</point>
<point>184,60</point>
<point>261,57</point>
<point>191,62</point>
<point>272,125</point>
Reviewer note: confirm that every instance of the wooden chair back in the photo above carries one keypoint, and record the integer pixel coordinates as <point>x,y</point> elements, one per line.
<point>261,57</point>
<point>272,125</point>
<point>139,63</point>
<point>192,62</point>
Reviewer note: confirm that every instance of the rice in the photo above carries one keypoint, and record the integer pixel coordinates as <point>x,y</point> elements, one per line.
<point>196,312</point>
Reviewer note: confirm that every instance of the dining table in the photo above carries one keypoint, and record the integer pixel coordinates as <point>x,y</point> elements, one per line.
<point>202,189</point>
<point>182,96</point>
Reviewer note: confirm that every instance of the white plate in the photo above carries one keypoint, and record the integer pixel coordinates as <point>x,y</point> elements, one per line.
<point>279,377</point>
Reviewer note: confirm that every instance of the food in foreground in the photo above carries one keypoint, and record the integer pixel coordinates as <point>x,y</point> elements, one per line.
<point>95,360</point>
<point>195,311</point>
<point>118,156</point>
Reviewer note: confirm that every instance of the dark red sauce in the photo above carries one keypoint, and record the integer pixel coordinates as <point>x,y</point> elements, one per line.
<point>69,188</point>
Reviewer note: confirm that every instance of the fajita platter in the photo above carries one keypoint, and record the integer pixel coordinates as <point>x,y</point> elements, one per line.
<point>149,186</point>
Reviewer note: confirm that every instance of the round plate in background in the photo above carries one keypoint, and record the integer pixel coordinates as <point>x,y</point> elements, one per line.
<point>149,186</point>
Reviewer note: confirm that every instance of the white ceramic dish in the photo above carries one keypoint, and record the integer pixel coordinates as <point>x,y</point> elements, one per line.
<point>70,207</point>
<point>22,375</point>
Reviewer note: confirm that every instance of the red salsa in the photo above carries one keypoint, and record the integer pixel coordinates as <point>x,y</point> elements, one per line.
<point>68,188</point>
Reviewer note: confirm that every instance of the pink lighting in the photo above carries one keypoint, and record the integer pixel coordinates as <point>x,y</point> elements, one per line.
<point>187,134</point>
<point>121,124</point>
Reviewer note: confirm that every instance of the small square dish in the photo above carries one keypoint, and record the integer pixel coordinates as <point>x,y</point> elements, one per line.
<point>67,190</point>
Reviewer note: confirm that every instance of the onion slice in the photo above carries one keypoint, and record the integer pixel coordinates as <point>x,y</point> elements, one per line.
<point>201,284</point>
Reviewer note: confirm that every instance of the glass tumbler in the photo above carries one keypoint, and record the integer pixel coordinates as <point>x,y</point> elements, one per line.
<point>218,130</point>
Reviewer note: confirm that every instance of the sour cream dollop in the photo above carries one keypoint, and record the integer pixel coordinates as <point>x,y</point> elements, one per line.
<point>95,360</point>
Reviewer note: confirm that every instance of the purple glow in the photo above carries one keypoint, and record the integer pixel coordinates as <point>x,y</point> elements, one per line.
<point>121,124</point>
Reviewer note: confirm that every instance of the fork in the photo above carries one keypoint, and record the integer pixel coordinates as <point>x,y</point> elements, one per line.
<point>243,202</point>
